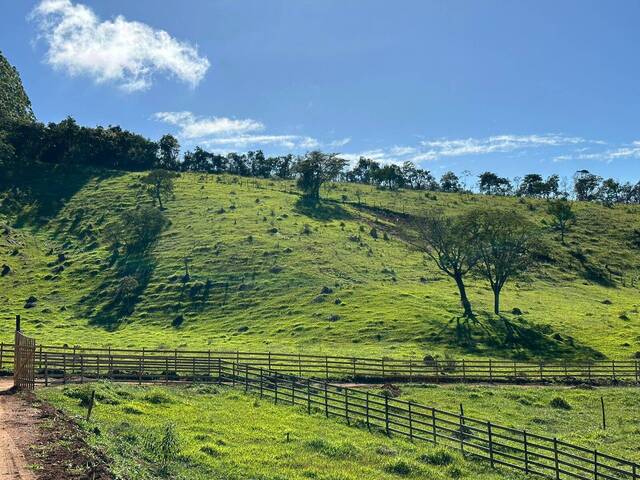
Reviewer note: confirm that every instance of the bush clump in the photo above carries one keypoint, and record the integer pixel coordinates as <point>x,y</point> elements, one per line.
<point>560,403</point>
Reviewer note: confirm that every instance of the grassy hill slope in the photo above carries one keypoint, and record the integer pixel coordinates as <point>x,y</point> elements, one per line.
<point>267,273</point>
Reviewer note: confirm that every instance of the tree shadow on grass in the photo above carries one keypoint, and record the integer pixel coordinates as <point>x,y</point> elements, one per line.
<point>116,299</point>
<point>519,339</point>
<point>37,194</point>
<point>324,210</point>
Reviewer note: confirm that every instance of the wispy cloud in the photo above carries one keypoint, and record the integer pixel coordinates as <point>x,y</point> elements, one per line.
<point>631,151</point>
<point>125,52</point>
<point>436,149</point>
<point>192,127</point>
<point>226,134</point>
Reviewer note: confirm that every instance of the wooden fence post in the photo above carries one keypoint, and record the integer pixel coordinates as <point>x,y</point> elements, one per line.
<point>46,369</point>
<point>526,451</point>
<point>326,401</point>
<point>166,370</point>
<point>490,437</point>
<point>293,390</point>
<point>595,464</point>
<point>410,424</point>
<point>309,396</point>
<point>246,378</point>
<point>386,414</point>
<point>261,382</point>
<point>233,374</point>
<point>354,369</point>
<point>462,428</point>
<point>64,366</point>
<point>81,368</point>
<point>433,423</point>
<point>464,371</point>
<point>1,354</point>
<point>366,410</point>
<point>490,371</point>
<point>346,405</point>
<point>555,458</point>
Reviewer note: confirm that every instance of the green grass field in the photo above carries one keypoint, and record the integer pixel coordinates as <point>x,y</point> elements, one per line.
<point>259,260</point>
<point>577,418</point>
<point>224,434</point>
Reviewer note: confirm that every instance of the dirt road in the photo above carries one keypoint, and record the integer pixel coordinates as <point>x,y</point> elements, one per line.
<point>18,421</point>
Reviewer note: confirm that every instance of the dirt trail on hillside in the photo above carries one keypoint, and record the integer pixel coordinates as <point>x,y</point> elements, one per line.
<point>18,421</point>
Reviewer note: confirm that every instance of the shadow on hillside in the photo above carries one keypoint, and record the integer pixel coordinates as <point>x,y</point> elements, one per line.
<point>518,339</point>
<point>36,195</point>
<point>116,299</point>
<point>324,211</point>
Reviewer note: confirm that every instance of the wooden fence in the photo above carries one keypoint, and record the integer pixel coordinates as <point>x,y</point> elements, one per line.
<point>62,361</point>
<point>23,362</point>
<point>301,380</point>
<point>500,445</point>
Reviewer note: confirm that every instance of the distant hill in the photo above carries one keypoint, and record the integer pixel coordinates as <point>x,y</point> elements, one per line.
<point>245,265</point>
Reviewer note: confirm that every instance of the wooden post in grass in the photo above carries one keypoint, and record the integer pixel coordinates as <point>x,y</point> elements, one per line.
<point>410,424</point>
<point>433,424</point>
<point>604,417</point>
<point>309,396</point>
<point>1,354</point>
<point>386,414</point>
<point>326,401</point>
<point>18,329</point>
<point>46,369</point>
<point>555,458</point>
<point>526,451</point>
<point>462,428</point>
<point>595,464</point>
<point>91,402</point>
<point>490,438</point>
<point>346,405</point>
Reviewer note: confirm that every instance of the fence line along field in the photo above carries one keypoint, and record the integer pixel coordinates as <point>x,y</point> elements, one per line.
<point>62,362</point>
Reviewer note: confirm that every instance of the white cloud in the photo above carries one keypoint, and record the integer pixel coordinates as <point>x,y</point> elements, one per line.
<point>224,133</point>
<point>243,141</point>
<point>126,52</point>
<point>436,149</point>
<point>495,144</point>
<point>192,127</point>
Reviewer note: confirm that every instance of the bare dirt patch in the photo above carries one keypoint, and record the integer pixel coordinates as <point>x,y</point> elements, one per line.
<point>38,442</point>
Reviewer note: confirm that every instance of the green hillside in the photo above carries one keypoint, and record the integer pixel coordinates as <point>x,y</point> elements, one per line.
<point>266,272</point>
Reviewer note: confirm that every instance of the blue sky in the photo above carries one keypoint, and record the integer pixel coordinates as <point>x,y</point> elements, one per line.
<point>513,87</point>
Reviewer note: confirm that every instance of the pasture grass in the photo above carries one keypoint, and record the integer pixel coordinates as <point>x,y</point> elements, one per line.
<point>572,414</point>
<point>259,261</point>
<point>225,434</point>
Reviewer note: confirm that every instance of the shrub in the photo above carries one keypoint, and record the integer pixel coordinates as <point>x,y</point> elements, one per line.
<point>399,467</point>
<point>560,403</point>
<point>440,457</point>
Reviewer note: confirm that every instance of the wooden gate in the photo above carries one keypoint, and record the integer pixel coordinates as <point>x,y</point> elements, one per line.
<point>24,358</point>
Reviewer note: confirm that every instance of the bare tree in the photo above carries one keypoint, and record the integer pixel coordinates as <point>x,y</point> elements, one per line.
<point>505,244</point>
<point>450,242</point>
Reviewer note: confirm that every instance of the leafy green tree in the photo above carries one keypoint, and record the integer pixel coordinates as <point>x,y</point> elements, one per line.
<point>586,185</point>
<point>450,241</point>
<point>449,182</point>
<point>316,168</point>
<point>14,102</point>
<point>492,184</point>
<point>563,216</point>
<point>505,245</point>
<point>160,185</point>
<point>140,227</point>
<point>168,151</point>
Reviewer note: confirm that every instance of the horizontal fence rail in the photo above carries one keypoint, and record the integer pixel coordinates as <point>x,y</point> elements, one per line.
<point>501,446</point>
<point>56,359</point>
